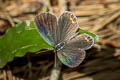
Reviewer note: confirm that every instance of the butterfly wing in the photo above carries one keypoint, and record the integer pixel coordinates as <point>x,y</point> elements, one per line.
<point>82,41</point>
<point>67,26</point>
<point>73,52</point>
<point>71,57</point>
<point>46,24</point>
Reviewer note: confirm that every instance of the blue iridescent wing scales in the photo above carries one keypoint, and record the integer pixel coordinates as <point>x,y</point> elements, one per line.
<point>71,57</point>
<point>46,24</point>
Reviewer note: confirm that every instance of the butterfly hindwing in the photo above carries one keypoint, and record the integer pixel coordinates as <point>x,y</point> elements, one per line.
<point>71,57</point>
<point>46,24</point>
<point>82,41</point>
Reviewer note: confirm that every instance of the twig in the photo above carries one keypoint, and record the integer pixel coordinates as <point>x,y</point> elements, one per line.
<point>47,5</point>
<point>114,29</point>
<point>9,18</point>
<point>55,74</point>
<point>29,66</point>
<point>5,74</point>
<point>62,6</point>
<point>7,14</point>
<point>113,43</point>
<point>9,73</point>
<point>114,37</point>
<point>107,21</point>
<point>94,9</point>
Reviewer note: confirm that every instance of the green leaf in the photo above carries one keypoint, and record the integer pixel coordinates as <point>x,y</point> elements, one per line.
<point>24,38</point>
<point>96,37</point>
<point>18,40</point>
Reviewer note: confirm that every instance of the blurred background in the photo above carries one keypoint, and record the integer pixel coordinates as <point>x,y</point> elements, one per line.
<point>101,17</point>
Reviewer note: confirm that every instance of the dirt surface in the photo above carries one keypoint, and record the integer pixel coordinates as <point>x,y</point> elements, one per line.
<point>101,17</point>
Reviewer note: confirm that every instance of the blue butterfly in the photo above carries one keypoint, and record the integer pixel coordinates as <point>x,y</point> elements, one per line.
<point>62,34</point>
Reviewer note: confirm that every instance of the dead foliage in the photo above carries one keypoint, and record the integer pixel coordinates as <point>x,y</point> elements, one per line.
<point>98,16</point>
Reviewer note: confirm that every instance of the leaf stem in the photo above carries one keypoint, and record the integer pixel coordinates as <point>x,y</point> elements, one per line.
<point>56,71</point>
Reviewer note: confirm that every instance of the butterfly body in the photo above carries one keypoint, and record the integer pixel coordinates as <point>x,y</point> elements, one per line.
<point>61,34</point>
<point>59,46</point>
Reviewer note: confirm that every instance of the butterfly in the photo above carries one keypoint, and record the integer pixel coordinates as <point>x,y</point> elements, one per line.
<point>62,34</point>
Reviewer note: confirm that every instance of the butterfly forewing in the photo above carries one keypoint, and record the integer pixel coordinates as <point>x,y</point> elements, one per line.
<point>71,57</point>
<point>82,41</point>
<point>67,26</point>
<point>46,24</point>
